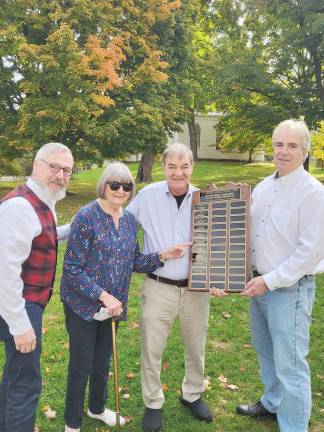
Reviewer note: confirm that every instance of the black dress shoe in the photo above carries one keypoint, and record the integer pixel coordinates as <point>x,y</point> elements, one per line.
<point>255,410</point>
<point>152,420</point>
<point>198,409</point>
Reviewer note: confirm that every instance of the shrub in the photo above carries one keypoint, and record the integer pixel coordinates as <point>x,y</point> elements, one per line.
<point>10,168</point>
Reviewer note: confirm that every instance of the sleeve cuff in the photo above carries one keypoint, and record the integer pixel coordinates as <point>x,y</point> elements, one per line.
<point>19,324</point>
<point>96,292</point>
<point>271,280</point>
<point>63,232</point>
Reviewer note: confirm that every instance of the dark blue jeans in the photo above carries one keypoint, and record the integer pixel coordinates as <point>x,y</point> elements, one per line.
<point>21,383</point>
<point>90,345</point>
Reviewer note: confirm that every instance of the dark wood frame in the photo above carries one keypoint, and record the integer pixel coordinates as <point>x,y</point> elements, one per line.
<point>202,249</point>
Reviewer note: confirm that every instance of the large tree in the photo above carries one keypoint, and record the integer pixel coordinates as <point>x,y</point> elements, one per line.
<point>268,66</point>
<point>176,43</point>
<point>76,71</point>
<point>186,50</point>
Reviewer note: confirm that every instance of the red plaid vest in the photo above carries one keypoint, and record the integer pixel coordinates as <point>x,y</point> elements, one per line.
<point>38,271</point>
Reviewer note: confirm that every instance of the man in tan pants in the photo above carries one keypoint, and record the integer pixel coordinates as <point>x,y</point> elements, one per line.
<point>164,211</point>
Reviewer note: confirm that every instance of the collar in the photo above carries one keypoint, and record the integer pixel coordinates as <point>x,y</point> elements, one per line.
<point>291,178</point>
<point>190,190</point>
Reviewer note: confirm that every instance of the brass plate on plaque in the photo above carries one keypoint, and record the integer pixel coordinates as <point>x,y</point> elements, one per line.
<point>220,232</point>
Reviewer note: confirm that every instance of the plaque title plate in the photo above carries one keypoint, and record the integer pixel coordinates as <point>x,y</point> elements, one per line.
<point>220,232</point>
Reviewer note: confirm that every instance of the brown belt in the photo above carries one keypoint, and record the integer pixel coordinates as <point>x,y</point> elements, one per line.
<point>181,283</point>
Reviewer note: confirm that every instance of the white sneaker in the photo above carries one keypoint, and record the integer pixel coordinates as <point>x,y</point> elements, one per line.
<point>108,417</point>
<point>69,429</point>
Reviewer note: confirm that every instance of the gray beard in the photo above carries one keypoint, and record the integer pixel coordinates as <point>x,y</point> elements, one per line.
<point>56,196</point>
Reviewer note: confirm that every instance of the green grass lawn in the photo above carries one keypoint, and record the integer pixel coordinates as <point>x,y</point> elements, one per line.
<point>228,351</point>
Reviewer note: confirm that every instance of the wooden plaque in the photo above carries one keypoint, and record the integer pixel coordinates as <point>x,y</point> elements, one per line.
<point>220,232</point>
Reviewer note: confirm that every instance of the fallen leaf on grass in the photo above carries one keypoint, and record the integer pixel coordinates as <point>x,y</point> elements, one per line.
<point>229,386</point>
<point>49,413</point>
<point>242,369</point>
<point>207,384</point>
<point>131,375</point>
<point>232,387</point>
<point>128,419</point>
<point>164,387</point>
<point>226,315</point>
<point>165,365</point>
<point>222,378</point>
<point>126,396</point>
<point>123,390</point>
<point>133,325</point>
<point>247,345</point>
<point>44,330</point>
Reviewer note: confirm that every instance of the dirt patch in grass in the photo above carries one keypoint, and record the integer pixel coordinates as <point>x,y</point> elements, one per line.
<point>219,345</point>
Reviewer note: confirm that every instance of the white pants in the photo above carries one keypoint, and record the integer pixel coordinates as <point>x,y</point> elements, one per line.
<point>161,305</point>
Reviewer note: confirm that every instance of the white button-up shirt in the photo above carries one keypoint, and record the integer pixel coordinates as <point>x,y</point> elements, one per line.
<point>164,225</point>
<point>287,228</point>
<point>19,225</point>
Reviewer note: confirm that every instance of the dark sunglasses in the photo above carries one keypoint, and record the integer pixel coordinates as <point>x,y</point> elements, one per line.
<point>114,186</point>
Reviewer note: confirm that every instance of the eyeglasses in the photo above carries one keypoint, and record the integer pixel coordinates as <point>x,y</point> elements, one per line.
<point>55,168</point>
<point>114,186</point>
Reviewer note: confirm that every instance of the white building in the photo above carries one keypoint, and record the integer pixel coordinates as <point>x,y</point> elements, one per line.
<point>206,129</point>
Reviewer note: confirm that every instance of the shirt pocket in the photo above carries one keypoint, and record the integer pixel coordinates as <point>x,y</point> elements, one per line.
<point>283,219</point>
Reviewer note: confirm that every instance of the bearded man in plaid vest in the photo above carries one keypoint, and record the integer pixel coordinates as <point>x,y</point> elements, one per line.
<point>28,238</point>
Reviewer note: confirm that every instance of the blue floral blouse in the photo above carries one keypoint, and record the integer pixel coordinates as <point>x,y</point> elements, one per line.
<point>101,257</point>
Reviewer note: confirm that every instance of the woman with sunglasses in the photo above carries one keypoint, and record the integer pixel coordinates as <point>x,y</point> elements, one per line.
<point>101,254</point>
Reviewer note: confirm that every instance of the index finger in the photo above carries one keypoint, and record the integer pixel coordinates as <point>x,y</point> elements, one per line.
<point>185,244</point>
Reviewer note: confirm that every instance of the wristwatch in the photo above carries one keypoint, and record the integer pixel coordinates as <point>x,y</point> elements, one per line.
<point>162,260</point>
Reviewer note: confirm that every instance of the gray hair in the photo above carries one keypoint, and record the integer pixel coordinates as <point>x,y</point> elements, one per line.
<point>115,171</point>
<point>51,147</point>
<point>298,126</point>
<point>177,149</point>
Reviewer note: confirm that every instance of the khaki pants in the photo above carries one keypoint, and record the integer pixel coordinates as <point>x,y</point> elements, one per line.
<point>161,305</point>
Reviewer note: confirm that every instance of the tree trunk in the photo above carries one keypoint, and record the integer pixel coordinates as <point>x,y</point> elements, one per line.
<point>192,134</point>
<point>250,155</point>
<point>144,172</point>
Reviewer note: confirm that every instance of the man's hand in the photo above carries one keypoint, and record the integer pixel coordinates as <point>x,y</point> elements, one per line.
<point>26,342</point>
<point>176,251</point>
<point>216,292</point>
<point>255,287</point>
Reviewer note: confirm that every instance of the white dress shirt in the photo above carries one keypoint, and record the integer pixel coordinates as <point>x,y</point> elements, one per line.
<point>164,225</point>
<point>19,225</point>
<point>287,228</point>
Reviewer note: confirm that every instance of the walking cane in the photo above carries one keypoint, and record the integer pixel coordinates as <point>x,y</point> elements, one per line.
<point>116,385</point>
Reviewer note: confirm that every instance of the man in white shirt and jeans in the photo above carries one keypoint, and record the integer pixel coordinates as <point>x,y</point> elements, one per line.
<point>28,238</point>
<point>287,247</point>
